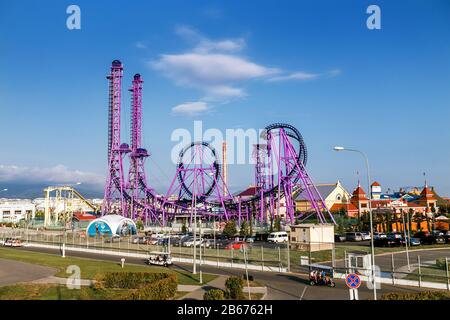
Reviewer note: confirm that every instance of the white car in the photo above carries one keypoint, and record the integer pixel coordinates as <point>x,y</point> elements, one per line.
<point>366,235</point>
<point>278,237</point>
<point>191,243</point>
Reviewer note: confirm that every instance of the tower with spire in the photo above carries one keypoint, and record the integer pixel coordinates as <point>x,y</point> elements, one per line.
<point>359,199</point>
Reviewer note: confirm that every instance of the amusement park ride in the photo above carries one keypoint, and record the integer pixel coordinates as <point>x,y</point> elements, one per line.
<point>199,186</point>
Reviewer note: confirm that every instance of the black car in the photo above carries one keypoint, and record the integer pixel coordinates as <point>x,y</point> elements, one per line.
<point>339,238</point>
<point>387,242</point>
<point>447,237</point>
<point>428,238</point>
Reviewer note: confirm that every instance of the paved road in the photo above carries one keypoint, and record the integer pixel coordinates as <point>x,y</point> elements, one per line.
<point>14,271</point>
<point>280,286</point>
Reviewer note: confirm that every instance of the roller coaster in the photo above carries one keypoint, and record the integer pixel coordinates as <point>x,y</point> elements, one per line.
<point>198,187</point>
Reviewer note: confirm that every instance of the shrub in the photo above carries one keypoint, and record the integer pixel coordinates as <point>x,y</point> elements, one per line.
<point>234,287</point>
<point>132,280</point>
<point>425,295</point>
<point>163,289</point>
<point>214,294</point>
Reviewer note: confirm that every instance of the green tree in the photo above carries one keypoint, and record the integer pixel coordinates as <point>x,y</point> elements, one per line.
<point>244,231</point>
<point>230,229</point>
<point>183,227</point>
<point>139,224</point>
<point>277,223</point>
<point>251,225</point>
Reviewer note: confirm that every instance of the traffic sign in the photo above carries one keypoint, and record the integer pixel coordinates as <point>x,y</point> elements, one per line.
<point>353,281</point>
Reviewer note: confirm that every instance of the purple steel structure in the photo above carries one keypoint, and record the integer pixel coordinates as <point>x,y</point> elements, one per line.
<point>198,187</point>
<point>115,184</point>
<point>137,185</point>
<point>287,155</point>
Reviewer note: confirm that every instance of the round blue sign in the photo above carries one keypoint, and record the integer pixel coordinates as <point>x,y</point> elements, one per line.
<point>353,281</point>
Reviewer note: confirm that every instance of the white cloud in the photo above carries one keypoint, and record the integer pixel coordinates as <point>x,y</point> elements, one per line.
<point>140,45</point>
<point>56,174</point>
<point>215,68</point>
<point>295,76</point>
<point>191,108</point>
<point>205,69</point>
<point>205,45</point>
<point>214,74</point>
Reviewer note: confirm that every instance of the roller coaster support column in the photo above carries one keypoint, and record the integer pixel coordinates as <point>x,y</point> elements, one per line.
<point>115,184</point>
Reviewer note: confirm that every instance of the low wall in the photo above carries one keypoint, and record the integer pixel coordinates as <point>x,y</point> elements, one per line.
<point>174,259</point>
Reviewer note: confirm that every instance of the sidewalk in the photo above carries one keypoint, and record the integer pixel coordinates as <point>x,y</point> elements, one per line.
<point>217,283</point>
<point>63,281</point>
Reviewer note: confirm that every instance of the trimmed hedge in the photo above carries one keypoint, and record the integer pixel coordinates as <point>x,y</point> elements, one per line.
<point>163,289</point>
<point>132,280</point>
<point>234,287</point>
<point>214,294</point>
<point>144,285</point>
<point>425,295</point>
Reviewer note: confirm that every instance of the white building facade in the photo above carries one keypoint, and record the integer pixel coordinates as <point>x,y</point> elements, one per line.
<point>14,210</point>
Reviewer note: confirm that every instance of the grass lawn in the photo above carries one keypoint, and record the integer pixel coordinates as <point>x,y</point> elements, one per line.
<point>429,274</point>
<point>90,269</point>
<point>58,292</point>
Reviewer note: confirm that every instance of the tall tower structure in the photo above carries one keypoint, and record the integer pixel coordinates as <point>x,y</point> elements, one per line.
<point>114,200</point>
<point>136,175</point>
<point>225,169</point>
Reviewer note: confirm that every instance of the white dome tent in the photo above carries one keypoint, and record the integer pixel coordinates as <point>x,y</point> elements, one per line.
<point>111,224</point>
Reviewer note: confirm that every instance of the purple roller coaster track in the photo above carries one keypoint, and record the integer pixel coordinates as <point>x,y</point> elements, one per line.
<point>198,186</point>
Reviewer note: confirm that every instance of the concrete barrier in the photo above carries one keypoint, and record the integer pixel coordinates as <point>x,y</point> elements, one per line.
<point>174,259</point>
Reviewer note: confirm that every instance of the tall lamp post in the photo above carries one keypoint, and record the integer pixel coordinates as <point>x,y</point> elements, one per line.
<point>337,148</point>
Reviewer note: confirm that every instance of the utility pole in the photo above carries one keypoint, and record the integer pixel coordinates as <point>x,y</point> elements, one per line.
<point>407,239</point>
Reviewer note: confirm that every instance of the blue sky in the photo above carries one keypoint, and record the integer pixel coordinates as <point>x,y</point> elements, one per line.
<point>238,64</point>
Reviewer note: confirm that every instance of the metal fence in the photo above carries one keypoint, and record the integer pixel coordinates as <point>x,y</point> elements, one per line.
<point>393,267</point>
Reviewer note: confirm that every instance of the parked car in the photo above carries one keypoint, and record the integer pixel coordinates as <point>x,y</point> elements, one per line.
<point>387,242</point>
<point>208,243</point>
<point>140,240</point>
<point>278,237</point>
<point>339,238</point>
<point>379,235</point>
<point>190,242</point>
<point>414,242</point>
<point>162,241</point>
<point>112,239</point>
<point>353,236</point>
<point>11,242</point>
<point>152,241</point>
<point>366,236</point>
<point>236,245</point>
<point>250,239</point>
<point>222,243</point>
<point>395,235</point>
<point>447,237</point>
<point>429,238</point>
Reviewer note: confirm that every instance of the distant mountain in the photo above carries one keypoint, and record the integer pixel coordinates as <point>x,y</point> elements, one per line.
<point>36,190</point>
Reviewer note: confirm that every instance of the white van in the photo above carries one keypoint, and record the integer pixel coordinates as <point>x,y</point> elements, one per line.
<point>278,237</point>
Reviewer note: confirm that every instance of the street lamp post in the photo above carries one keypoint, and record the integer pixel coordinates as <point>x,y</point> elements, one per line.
<point>370,214</point>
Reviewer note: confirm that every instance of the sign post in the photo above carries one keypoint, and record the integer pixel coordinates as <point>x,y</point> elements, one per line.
<point>353,281</point>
